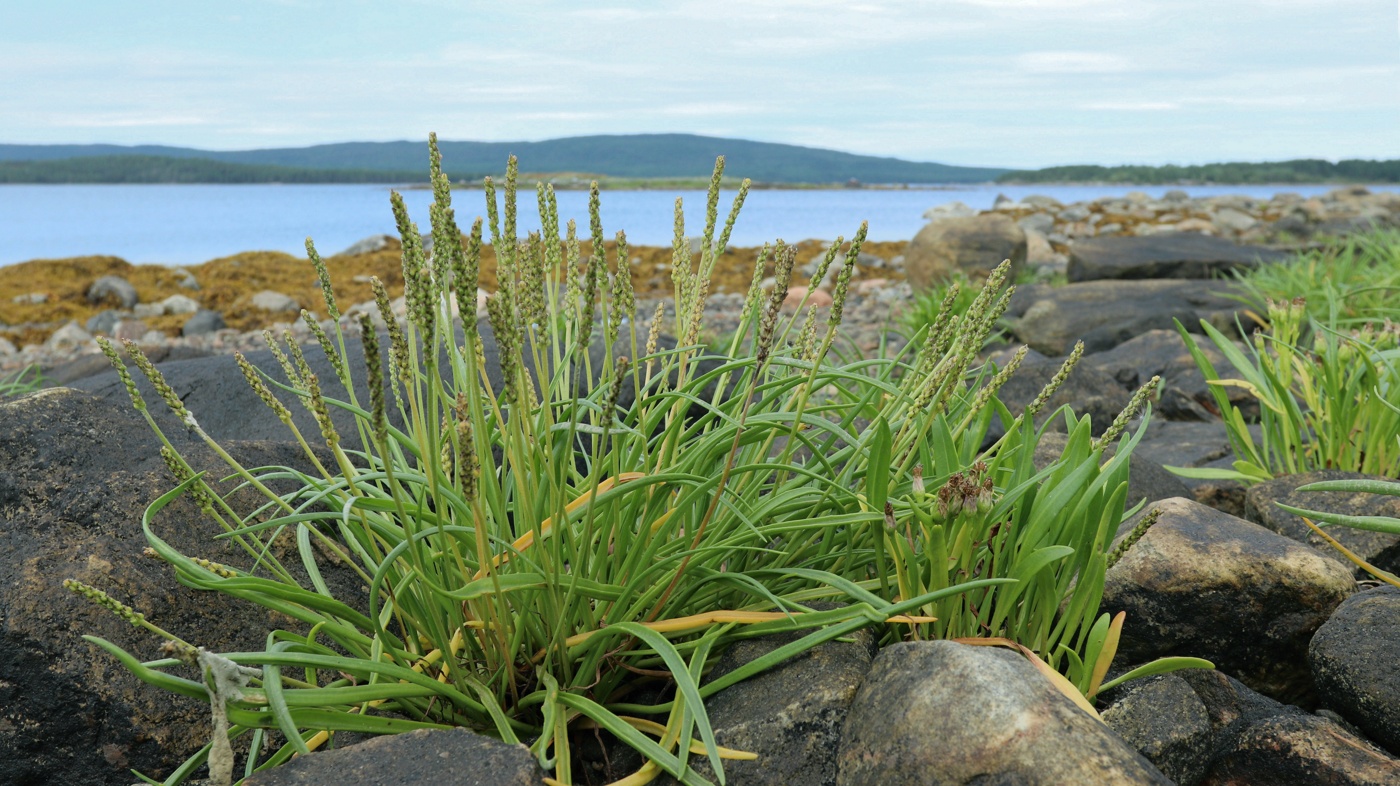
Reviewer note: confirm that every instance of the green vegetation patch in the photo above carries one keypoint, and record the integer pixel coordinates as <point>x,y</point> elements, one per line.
<point>1299,171</point>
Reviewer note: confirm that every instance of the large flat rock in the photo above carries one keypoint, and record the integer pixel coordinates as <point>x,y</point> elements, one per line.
<point>1175,255</point>
<point>1104,314</point>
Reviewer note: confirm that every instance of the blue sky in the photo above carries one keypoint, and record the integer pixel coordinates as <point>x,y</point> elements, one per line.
<point>1021,83</point>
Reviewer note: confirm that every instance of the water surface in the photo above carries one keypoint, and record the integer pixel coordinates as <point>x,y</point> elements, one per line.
<point>189,224</point>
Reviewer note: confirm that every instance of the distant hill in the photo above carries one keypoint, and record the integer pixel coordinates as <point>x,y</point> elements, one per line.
<point>627,156</point>
<point>1299,171</point>
<point>165,169</point>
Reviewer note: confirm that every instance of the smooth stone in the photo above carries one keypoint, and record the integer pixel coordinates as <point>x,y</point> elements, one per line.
<point>424,757</point>
<point>103,322</point>
<point>938,712</point>
<point>68,338</point>
<point>791,715</point>
<point>1104,314</point>
<point>203,322</point>
<point>179,304</point>
<point>974,245</point>
<point>1175,255</point>
<point>267,300</point>
<point>1353,659</point>
<point>1205,584</point>
<point>113,289</point>
<point>1164,719</point>
<point>1379,548</point>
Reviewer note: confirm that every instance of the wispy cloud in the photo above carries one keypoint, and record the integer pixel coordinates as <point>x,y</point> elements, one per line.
<point>1131,106</point>
<point>1073,63</point>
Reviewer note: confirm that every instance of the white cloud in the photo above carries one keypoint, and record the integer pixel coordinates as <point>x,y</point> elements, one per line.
<point>1131,106</point>
<point>1073,63</point>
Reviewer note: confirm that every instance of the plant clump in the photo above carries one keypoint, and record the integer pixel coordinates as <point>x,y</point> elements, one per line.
<point>562,540</point>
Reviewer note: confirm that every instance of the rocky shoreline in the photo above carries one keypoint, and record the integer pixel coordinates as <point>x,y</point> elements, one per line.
<point>1304,689</point>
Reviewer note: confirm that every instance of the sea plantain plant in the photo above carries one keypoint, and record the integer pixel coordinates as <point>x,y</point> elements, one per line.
<point>1332,405</point>
<point>562,544</point>
<point>21,382</point>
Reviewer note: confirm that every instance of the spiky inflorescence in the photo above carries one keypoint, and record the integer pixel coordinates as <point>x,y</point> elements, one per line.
<point>106,601</point>
<point>786,258</point>
<point>985,394</point>
<point>468,465</point>
<point>493,223</point>
<point>819,275</point>
<point>294,348</point>
<point>180,471</point>
<point>1135,406</point>
<point>807,343</point>
<point>218,569</point>
<point>733,216</point>
<point>1134,535</point>
<point>755,293</point>
<point>508,230</point>
<point>625,303</point>
<point>259,387</point>
<point>680,258</point>
<point>398,345</point>
<point>158,382</point>
<point>589,305</point>
<point>843,282</point>
<point>654,334</point>
<point>1055,382</point>
<point>324,277</point>
<point>467,270</point>
<point>614,394</point>
<point>111,352</point>
<point>532,305</point>
<point>417,288</point>
<point>375,368</point>
<point>293,376</point>
<point>321,411</point>
<point>498,311</point>
<point>337,362</point>
<point>707,251</point>
<point>571,260</point>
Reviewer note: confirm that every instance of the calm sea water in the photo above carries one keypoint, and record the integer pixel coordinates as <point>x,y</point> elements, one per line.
<point>189,224</point>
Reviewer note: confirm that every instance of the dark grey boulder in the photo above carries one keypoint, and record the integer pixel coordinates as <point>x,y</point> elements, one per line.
<point>1104,314</point>
<point>1195,444</point>
<point>103,322</point>
<point>115,290</point>
<point>84,366</point>
<point>426,757</point>
<point>1378,548</point>
<point>1164,719</point>
<point>792,715</point>
<point>202,322</point>
<point>938,712</point>
<point>1257,740</point>
<point>1147,480</point>
<point>76,475</point>
<point>1087,391</point>
<point>1354,662</point>
<point>1205,584</point>
<point>1184,394</point>
<point>974,245</point>
<point>1183,443</point>
<point>1171,255</point>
